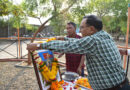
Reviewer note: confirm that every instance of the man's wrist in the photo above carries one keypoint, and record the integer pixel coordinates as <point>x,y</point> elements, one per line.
<point>65,38</point>
<point>39,46</point>
<point>59,38</point>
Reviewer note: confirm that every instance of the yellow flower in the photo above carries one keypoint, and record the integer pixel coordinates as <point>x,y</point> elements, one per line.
<point>44,75</point>
<point>50,39</point>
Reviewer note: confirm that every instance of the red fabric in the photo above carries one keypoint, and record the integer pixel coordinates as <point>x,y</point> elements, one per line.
<point>73,60</point>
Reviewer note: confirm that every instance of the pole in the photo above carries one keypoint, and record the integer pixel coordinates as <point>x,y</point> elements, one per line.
<point>8,26</point>
<point>19,42</point>
<point>127,33</point>
<point>29,58</point>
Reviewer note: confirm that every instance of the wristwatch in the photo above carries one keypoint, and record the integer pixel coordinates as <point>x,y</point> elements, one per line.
<point>39,46</point>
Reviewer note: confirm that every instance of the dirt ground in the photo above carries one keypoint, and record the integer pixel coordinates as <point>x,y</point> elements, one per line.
<point>20,78</point>
<point>13,78</point>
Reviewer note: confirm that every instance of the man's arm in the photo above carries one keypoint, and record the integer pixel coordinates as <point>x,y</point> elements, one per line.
<point>79,46</point>
<point>70,39</point>
<point>65,38</point>
<point>79,70</point>
<point>34,46</point>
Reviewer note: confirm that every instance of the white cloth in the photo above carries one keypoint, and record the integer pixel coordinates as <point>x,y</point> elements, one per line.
<point>128,51</point>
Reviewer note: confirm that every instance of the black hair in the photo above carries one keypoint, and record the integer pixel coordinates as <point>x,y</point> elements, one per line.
<point>72,23</point>
<point>93,20</point>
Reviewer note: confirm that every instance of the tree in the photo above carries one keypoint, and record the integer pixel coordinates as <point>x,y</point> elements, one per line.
<point>120,10</point>
<point>44,8</point>
<point>113,13</point>
<point>14,12</point>
<point>57,5</point>
<point>17,15</point>
<point>117,22</point>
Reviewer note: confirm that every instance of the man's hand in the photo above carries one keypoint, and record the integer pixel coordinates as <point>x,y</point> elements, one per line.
<point>32,46</point>
<point>60,38</point>
<point>123,51</point>
<point>79,71</point>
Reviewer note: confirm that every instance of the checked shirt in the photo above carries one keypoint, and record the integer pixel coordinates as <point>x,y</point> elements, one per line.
<point>103,60</point>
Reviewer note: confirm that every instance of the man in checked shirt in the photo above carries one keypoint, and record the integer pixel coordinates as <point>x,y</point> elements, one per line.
<point>103,60</point>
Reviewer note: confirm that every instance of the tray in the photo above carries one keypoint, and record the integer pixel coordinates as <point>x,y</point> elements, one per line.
<point>81,85</point>
<point>70,76</point>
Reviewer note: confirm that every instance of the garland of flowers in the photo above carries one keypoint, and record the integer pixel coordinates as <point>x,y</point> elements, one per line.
<point>50,75</point>
<point>50,39</point>
<point>47,74</point>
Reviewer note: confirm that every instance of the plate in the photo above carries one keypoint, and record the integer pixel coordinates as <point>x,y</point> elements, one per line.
<point>84,87</point>
<point>82,82</point>
<point>70,76</point>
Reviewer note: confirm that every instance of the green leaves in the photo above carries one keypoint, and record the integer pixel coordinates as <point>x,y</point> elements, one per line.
<point>112,12</point>
<point>5,7</point>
